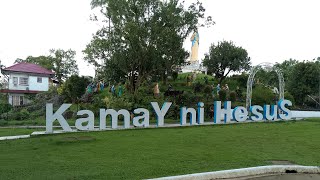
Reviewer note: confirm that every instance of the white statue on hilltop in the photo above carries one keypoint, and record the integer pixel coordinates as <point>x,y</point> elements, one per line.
<point>194,48</point>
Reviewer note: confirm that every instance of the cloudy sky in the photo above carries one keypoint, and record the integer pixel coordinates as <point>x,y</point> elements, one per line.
<point>270,30</point>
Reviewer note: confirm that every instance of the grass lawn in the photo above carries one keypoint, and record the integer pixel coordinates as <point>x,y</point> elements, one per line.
<point>150,153</point>
<point>16,131</point>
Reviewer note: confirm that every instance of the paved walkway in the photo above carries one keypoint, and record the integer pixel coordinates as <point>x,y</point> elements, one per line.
<point>280,172</point>
<point>14,137</point>
<point>284,177</point>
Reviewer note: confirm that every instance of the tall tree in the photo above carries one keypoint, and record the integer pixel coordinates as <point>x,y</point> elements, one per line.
<point>224,58</point>
<point>44,61</point>
<point>74,87</point>
<point>304,80</point>
<point>62,62</point>
<point>144,37</point>
<point>287,67</point>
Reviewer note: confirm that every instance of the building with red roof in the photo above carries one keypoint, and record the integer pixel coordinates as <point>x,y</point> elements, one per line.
<point>25,78</point>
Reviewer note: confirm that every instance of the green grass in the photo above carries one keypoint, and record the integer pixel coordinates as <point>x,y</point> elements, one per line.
<point>150,153</point>
<point>16,131</point>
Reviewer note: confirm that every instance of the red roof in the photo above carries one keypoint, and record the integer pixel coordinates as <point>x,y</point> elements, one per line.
<point>28,68</point>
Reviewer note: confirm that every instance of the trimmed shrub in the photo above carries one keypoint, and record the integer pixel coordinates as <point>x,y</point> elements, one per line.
<point>3,122</point>
<point>197,87</point>
<point>207,90</point>
<point>206,80</point>
<point>233,96</point>
<point>5,108</point>
<point>222,95</point>
<point>288,96</point>
<point>174,75</point>
<point>262,95</point>
<point>24,114</point>
<point>68,114</point>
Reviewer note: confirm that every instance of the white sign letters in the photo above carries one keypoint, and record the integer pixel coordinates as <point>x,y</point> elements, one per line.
<point>142,116</point>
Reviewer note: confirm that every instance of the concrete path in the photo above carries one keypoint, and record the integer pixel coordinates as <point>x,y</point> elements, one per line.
<point>14,137</point>
<point>254,173</point>
<point>284,177</point>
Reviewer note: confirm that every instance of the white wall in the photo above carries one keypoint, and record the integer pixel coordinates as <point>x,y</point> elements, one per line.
<point>305,114</point>
<point>16,87</point>
<point>33,85</point>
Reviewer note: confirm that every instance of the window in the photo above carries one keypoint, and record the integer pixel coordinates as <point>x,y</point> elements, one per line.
<point>23,81</point>
<point>15,100</point>
<point>39,79</point>
<point>15,80</point>
<point>21,100</point>
<point>18,100</point>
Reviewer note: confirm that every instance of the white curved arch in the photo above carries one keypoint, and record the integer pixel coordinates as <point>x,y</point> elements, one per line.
<point>254,70</point>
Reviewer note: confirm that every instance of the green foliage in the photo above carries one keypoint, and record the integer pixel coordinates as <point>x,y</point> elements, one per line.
<point>301,78</point>
<point>40,100</point>
<point>189,100</point>
<point>24,114</point>
<point>174,75</point>
<point>207,89</point>
<point>3,122</point>
<point>287,67</point>
<point>144,37</point>
<point>262,95</point>
<point>222,95</point>
<point>20,114</point>
<point>118,103</point>
<point>232,83</point>
<point>304,80</point>
<point>97,103</point>
<point>224,58</point>
<point>267,78</point>
<point>68,114</point>
<point>241,80</point>
<point>5,107</point>
<point>233,96</point>
<point>197,87</point>
<point>64,63</point>
<point>206,80</point>
<point>74,88</point>
<point>288,96</point>
<point>34,111</point>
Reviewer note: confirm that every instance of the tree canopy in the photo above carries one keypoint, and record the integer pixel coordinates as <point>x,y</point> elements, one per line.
<point>44,61</point>
<point>224,58</point>
<point>143,37</point>
<point>62,62</point>
<point>74,87</point>
<point>304,80</point>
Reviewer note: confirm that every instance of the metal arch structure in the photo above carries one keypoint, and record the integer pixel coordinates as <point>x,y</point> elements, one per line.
<point>254,70</point>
